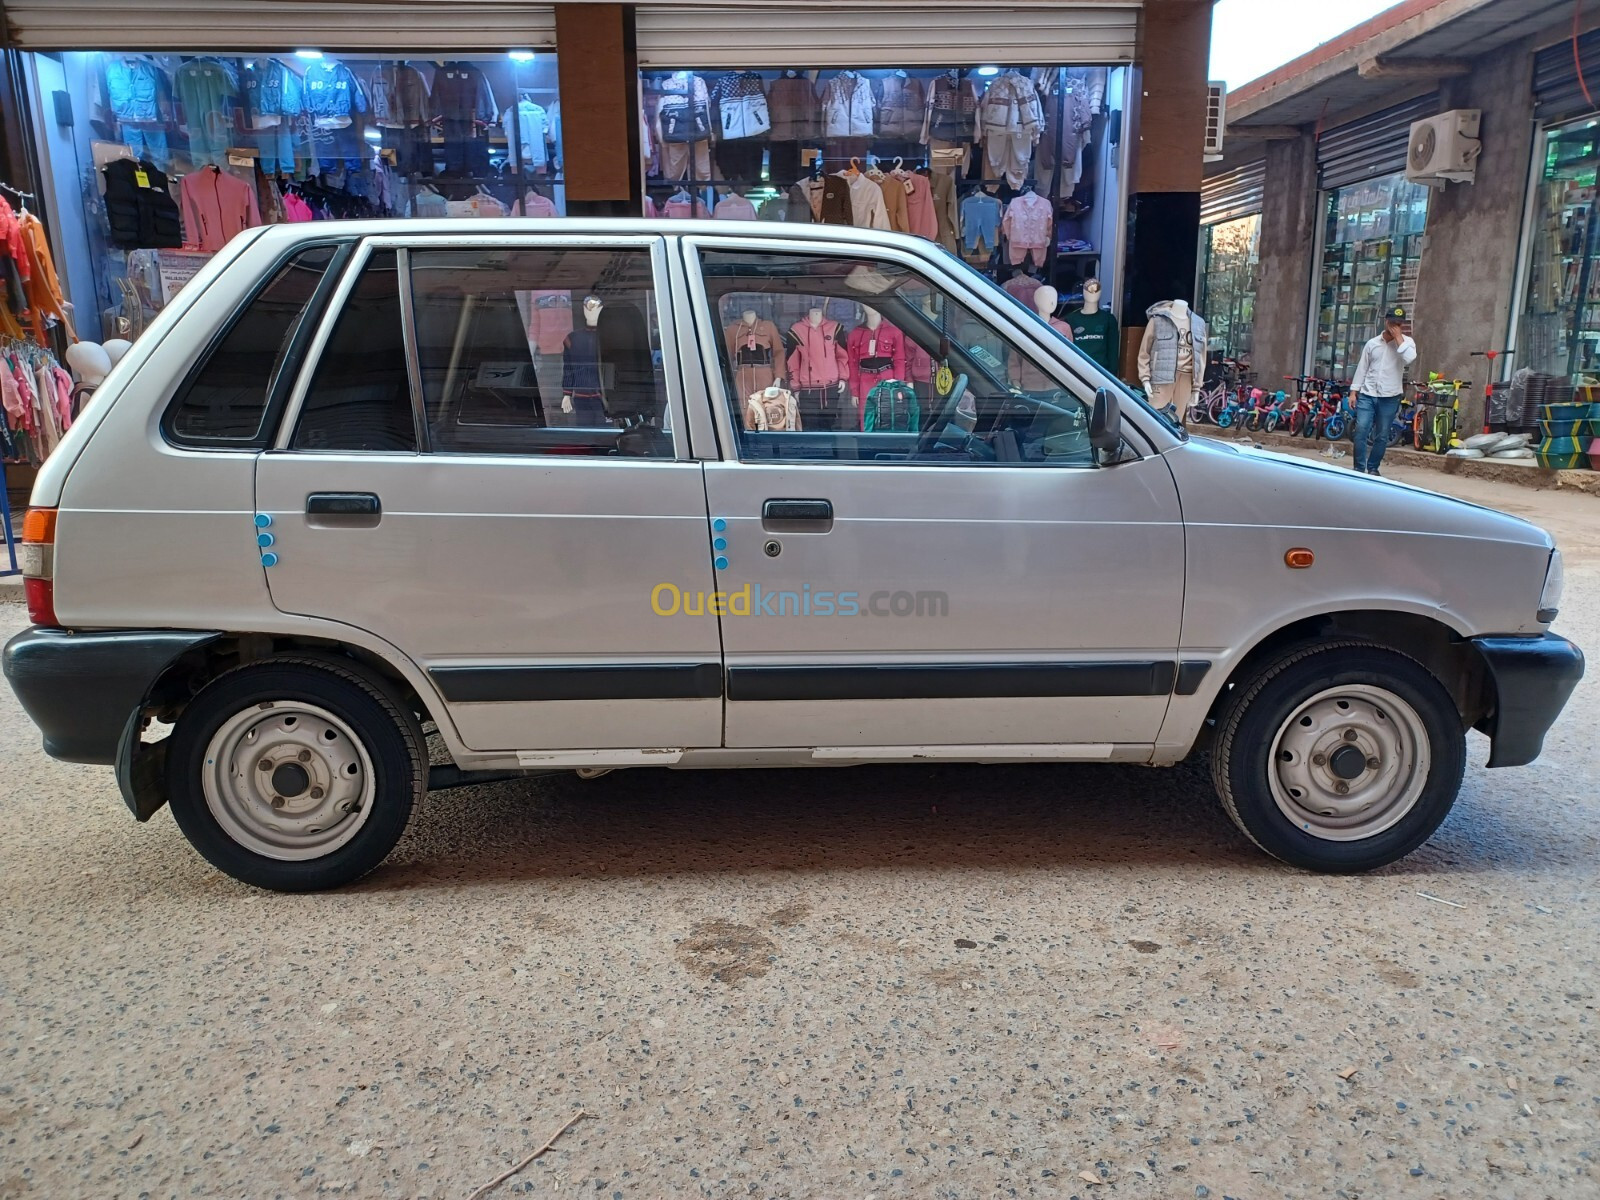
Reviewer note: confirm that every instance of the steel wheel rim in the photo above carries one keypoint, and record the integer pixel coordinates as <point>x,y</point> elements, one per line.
<point>288,780</point>
<point>1318,747</point>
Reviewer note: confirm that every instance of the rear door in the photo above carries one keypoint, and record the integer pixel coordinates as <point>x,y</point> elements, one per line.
<point>475,473</point>
<point>948,572</point>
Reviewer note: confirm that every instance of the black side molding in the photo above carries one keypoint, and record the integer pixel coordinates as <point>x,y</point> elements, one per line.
<point>520,685</point>
<point>1533,680</point>
<point>954,681</point>
<point>1191,674</point>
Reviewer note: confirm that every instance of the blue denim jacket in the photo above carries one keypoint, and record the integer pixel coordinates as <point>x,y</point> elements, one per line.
<point>137,90</point>
<point>271,90</point>
<point>330,90</point>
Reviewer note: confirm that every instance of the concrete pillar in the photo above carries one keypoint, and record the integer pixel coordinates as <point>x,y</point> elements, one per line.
<point>1470,256</point>
<point>598,65</point>
<point>1290,212</point>
<point>1169,122</point>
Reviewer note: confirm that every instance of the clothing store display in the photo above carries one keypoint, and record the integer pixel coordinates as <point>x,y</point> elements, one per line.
<point>1077,94</point>
<point>683,206</point>
<point>894,201</point>
<point>526,123</point>
<point>428,203</point>
<point>1172,356</point>
<point>901,102</point>
<point>741,102</point>
<point>271,96</point>
<point>400,96</point>
<point>686,160</point>
<point>1098,336</point>
<point>891,407</point>
<point>139,206</point>
<point>867,209</point>
<point>794,108</point>
<point>208,91</point>
<point>980,221</point>
<point>465,107</point>
<point>1028,225</point>
<point>549,319</point>
<point>684,114</point>
<point>847,106</point>
<point>831,200</point>
<point>817,364</point>
<point>803,204</point>
<point>1010,121</point>
<point>296,209</point>
<point>772,410</point>
<point>332,93</point>
<point>946,215</point>
<point>734,207</point>
<point>216,207</point>
<point>952,111</point>
<point>740,160</point>
<point>46,299</point>
<point>581,375</point>
<point>1023,372</point>
<point>874,355</point>
<point>755,354</point>
<point>136,89</point>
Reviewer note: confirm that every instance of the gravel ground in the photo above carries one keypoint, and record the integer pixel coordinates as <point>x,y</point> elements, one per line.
<point>891,982</point>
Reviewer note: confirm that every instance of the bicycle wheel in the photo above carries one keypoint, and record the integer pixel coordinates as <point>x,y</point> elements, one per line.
<point>1333,430</point>
<point>1270,424</point>
<point>1225,421</point>
<point>1297,422</point>
<point>1253,423</point>
<point>1443,426</point>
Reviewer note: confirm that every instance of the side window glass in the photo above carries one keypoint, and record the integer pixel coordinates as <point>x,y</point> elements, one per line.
<point>360,397</point>
<point>224,402</point>
<point>846,359</point>
<point>552,350</point>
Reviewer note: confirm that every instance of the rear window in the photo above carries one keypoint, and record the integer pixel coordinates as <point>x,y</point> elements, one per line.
<point>224,402</point>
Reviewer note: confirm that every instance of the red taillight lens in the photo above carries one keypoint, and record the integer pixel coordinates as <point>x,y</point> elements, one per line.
<point>38,560</point>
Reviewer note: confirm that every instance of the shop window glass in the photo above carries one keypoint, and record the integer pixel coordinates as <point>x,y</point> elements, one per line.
<point>848,359</point>
<point>224,402</point>
<point>540,351</point>
<point>1372,249</point>
<point>1012,168</point>
<point>1559,334</point>
<point>1230,270</point>
<point>360,395</point>
<point>216,143</point>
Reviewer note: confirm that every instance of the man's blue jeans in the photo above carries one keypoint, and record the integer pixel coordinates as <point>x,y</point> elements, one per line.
<point>1374,416</point>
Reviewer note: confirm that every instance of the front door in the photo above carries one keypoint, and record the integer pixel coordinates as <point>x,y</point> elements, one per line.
<point>911,565</point>
<point>480,468</point>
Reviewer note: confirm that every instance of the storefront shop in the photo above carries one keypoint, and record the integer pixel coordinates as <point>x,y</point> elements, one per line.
<point>1371,229</point>
<point>1014,166</point>
<point>1230,260</point>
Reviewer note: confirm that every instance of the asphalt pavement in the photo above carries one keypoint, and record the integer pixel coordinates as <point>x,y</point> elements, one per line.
<point>908,982</point>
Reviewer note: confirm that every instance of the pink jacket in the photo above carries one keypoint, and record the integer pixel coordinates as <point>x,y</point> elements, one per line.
<point>818,358</point>
<point>216,206</point>
<point>919,207</point>
<point>890,344</point>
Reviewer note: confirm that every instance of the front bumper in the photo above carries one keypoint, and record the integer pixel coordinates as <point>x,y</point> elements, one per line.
<point>82,688</point>
<point>1533,679</point>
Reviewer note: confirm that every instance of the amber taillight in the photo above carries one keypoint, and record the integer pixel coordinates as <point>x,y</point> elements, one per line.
<point>38,561</point>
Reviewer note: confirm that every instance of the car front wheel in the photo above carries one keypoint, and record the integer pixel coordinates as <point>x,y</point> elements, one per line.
<point>294,775</point>
<point>1340,757</point>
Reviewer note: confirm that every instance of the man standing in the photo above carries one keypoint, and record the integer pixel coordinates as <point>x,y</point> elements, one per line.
<point>1379,385</point>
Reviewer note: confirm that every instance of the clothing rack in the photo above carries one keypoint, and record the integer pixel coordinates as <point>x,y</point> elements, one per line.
<point>17,192</point>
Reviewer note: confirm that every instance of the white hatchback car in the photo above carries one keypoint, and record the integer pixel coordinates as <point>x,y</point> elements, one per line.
<point>599,494</point>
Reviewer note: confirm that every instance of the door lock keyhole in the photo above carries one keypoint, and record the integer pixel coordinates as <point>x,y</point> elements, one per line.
<point>773,548</point>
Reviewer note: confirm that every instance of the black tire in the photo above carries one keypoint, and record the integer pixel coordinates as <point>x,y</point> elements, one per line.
<point>389,735</point>
<point>1262,705</point>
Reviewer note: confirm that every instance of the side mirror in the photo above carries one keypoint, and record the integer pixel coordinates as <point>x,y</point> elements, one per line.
<point>1105,422</point>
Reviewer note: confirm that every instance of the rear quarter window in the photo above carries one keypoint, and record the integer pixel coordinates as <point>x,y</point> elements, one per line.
<point>226,400</point>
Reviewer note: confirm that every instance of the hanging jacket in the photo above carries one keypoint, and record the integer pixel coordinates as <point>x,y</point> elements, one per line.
<point>207,89</point>
<point>799,208</point>
<point>741,106</point>
<point>45,297</point>
<point>1010,106</point>
<point>216,207</point>
<point>399,96</point>
<point>272,91</point>
<point>894,202</point>
<point>952,111</point>
<point>900,104</point>
<point>871,352</point>
<point>891,407</point>
<point>818,357</point>
<point>945,211</point>
<point>332,93</point>
<point>793,108</point>
<point>847,106</point>
<point>528,125</point>
<point>867,209</point>
<point>778,414</point>
<point>838,207</point>
<point>139,207</point>
<point>684,114</point>
<point>920,215</point>
<point>461,93</point>
<point>137,90</point>
<point>734,207</point>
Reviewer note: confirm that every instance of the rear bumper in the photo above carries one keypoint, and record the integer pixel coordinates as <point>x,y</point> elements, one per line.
<point>1533,680</point>
<point>81,688</point>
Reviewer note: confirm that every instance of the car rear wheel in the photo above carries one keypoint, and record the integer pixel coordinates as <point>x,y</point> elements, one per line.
<point>1340,757</point>
<point>295,775</point>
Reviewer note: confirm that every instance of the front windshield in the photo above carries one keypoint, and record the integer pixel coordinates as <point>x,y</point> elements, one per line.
<point>1091,369</point>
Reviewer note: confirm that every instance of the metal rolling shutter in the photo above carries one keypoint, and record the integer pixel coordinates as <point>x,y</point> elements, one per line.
<point>1233,194</point>
<point>1371,147</point>
<point>1557,93</point>
<point>890,33</point>
<point>402,26</point>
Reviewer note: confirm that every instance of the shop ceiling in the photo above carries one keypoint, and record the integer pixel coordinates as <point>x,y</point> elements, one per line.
<point>1398,54</point>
